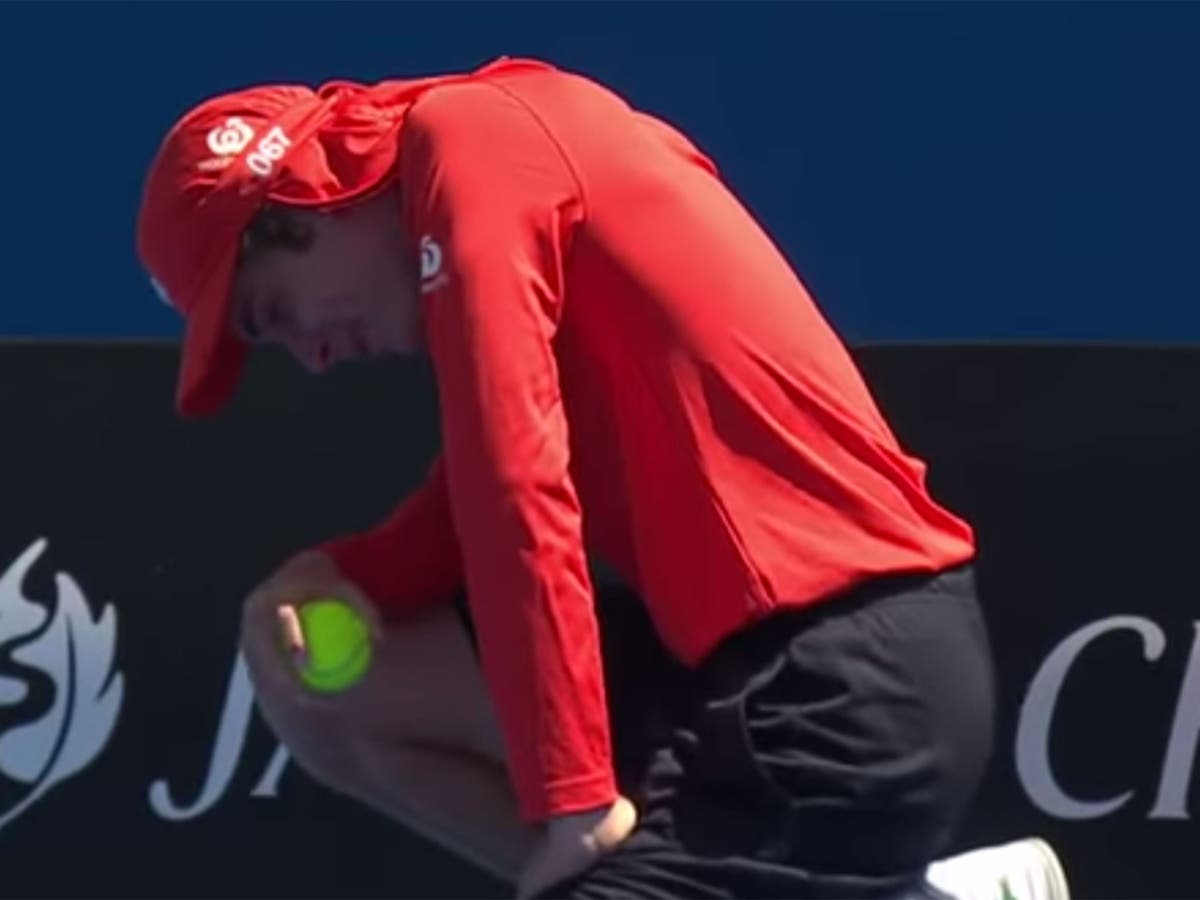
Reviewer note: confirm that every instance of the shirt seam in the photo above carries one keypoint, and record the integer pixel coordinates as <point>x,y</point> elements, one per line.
<point>554,141</point>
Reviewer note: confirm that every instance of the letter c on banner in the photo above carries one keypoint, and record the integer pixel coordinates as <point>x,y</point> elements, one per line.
<point>1037,714</point>
<point>1176,780</point>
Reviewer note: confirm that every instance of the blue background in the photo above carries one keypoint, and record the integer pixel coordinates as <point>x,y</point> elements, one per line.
<point>935,171</point>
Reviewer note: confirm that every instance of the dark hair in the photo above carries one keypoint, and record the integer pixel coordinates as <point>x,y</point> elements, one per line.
<point>274,228</point>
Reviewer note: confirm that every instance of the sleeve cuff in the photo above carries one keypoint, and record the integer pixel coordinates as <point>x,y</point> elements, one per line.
<point>566,797</point>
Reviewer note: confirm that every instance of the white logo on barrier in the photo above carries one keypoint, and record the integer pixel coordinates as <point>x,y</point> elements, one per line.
<point>1033,759</point>
<point>76,652</point>
<point>227,752</point>
<point>1032,739</point>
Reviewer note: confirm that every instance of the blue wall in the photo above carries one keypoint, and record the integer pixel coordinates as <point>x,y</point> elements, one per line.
<point>971,170</point>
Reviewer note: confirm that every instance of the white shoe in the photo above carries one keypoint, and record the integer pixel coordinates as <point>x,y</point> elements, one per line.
<point>1023,870</point>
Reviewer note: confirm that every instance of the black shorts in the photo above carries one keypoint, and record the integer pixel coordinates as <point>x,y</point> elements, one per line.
<point>829,752</point>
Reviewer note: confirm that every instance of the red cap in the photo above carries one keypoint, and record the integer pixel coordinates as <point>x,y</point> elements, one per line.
<point>213,172</point>
<point>223,160</point>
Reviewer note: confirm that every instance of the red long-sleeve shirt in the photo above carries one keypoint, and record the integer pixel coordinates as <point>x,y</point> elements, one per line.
<point>626,363</point>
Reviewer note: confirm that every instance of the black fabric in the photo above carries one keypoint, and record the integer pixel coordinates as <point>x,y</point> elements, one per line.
<point>643,682</point>
<point>829,753</point>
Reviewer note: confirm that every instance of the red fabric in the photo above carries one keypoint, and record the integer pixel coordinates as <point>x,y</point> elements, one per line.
<point>625,362</point>
<point>409,562</point>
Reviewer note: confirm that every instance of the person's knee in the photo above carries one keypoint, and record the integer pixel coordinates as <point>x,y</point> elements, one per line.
<point>331,757</point>
<point>423,687</point>
<point>318,741</point>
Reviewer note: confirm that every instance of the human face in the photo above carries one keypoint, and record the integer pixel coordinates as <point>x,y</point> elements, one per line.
<point>328,285</point>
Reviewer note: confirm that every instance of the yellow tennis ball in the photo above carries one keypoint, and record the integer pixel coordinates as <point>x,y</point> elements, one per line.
<point>338,644</point>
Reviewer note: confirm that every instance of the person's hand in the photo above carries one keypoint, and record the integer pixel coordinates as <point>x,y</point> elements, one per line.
<point>272,638</point>
<point>571,843</point>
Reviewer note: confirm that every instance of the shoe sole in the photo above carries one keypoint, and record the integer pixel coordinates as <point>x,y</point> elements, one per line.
<point>1056,875</point>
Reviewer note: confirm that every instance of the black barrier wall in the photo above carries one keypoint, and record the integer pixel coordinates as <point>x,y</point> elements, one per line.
<point>131,763</point>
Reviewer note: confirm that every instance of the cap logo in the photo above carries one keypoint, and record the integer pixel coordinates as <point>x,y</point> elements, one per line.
<point>269,151</point>
<point>231,138</point>
<point>228,140</point>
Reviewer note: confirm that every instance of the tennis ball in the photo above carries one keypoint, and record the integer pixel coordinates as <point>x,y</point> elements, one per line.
<point>338,642</point>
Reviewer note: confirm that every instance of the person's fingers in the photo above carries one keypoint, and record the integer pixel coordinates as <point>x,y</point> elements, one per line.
<point>290,630</point>
<point>273,642</point>
<point>349,594</point>
<point>272,637</point>
<point>268,660</point>
<point>574,843</point>
<point>614,827</point>
<point>310,576</point>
